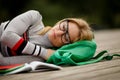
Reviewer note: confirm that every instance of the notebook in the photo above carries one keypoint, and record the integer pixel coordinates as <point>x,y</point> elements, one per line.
<point>34,66</point>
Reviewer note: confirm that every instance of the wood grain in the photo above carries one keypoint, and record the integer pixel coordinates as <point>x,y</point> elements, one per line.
<point>104,70</point>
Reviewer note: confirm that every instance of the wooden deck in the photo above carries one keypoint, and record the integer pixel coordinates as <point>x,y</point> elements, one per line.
<point>105,70</point>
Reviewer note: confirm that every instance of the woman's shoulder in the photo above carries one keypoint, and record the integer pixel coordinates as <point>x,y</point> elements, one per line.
<point>33,11</point>
<point>32,14</point>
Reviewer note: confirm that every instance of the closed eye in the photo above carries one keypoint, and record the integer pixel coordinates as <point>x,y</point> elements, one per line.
<point>67,37</point>
<point>64,28</point>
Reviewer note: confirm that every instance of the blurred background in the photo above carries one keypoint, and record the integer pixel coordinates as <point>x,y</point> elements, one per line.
<point>104,13</point>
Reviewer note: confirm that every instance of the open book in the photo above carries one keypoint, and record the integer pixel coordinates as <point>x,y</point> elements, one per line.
<point>28,67</point>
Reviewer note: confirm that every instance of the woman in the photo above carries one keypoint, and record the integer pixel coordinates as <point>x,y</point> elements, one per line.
<point>26,34</point>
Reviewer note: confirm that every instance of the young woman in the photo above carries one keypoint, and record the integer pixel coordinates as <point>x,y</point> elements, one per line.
<point>26,34</point>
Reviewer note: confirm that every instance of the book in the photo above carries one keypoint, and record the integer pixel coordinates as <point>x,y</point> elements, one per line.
<point>34,66</point>
<point>9,66</point>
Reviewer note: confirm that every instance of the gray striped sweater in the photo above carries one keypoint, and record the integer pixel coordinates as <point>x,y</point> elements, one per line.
<point>19,36</point>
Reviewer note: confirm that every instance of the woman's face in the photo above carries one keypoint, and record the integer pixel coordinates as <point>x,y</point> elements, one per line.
<point>63,33</point>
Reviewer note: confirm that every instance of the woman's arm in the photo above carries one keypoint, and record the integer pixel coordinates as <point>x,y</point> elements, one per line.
<point>18,26</point>
<point>12,34</point>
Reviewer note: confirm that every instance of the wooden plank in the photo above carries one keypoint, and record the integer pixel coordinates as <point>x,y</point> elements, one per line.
<point>108,39</point>
<point>105,70</point>
<point>82,72</point>
<point>113,76</point>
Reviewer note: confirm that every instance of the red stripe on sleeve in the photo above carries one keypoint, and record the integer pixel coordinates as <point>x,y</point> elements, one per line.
<point>25,36</point>
<point>17,45</point>
<point>13,53</point>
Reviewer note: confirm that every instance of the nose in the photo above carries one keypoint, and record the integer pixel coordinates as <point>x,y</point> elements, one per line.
<point>59,32</point>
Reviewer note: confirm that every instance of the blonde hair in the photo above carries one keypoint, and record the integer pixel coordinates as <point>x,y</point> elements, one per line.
<point>84,28</point>
<point>44,30</point>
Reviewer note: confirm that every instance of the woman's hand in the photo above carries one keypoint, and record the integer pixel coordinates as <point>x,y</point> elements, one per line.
<point>49,53</point>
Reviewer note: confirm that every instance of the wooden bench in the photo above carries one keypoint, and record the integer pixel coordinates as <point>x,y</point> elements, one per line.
<point>104,70</point>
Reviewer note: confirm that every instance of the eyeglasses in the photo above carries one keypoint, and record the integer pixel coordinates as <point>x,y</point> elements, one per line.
<point>63,26</point>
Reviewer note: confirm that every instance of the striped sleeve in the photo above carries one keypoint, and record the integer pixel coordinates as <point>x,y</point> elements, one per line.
<point>35,50</point>
<point>25,47</point>
<point>11,36</point>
